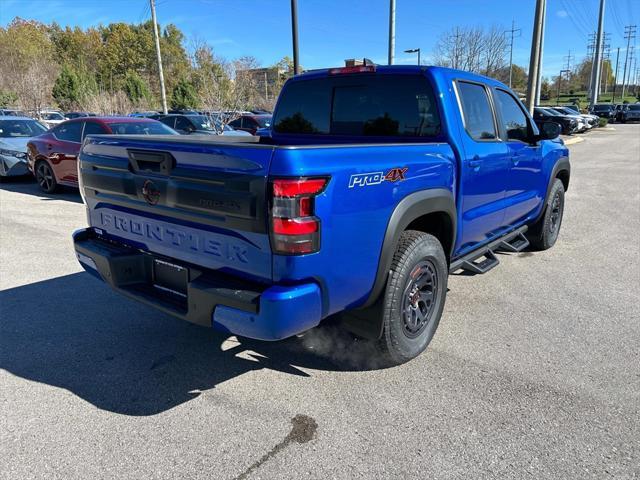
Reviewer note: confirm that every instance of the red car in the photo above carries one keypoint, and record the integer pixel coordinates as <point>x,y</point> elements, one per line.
<point>251,122</point>
<point>52,156</point>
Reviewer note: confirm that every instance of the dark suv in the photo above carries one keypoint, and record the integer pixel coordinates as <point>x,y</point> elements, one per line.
<point>604,110</point>
<point>630,113</point>
<point>251,123</point>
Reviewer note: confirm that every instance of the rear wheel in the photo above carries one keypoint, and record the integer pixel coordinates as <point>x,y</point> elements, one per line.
<point>45,177</point>
<point>544,233</point>
<point>414,297</point>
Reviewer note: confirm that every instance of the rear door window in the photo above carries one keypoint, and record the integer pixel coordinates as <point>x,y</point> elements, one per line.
<point>359,105</point>
<point>477,111</point>
<point>69,132</point>
<point>93,128</point>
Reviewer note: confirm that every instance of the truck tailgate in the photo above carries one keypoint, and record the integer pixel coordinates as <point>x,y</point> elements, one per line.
<point>196,200</point>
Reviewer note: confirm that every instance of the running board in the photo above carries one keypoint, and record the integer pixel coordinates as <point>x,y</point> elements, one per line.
<point>515,244</point>
<point>511,242</point>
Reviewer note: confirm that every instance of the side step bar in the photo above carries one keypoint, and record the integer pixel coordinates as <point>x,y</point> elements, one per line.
<point>511,242</point>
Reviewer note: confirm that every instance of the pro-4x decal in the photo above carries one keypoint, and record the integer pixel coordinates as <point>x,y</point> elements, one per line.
<point>374,178</point>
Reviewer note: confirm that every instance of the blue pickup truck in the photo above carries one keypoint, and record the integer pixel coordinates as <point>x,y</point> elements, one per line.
<point>373,184</point>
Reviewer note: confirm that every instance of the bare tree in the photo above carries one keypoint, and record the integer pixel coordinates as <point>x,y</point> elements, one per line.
<point>472,49</point>
<point>494,51</point>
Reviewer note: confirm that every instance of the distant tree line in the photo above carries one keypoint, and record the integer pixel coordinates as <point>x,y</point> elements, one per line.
<point>112,69</point>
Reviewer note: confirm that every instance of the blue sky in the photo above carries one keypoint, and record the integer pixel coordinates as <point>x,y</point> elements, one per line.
<point>332,30</point>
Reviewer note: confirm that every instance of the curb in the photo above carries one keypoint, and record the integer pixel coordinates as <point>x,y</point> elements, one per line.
<point>573,141</point>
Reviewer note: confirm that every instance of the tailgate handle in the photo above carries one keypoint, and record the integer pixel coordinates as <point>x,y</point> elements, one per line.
<point>151,161</point>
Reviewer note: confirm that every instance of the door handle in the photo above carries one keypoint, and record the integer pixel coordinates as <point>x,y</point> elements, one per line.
<point>475,162</point>
<point>49,146</point>
<point>515,158</point>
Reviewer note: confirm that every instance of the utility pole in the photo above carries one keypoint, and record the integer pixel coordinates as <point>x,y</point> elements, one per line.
<point>455,48</point>
<point>559,82</point>
<point>392,31</point>
<point>294,34</point>
<point>539,84</point>
<point>606,49</point>
<point>163,94</point>
<point>512,32</point>
<point>629,34</point>
<point>615,81</point>
<point>595,78</point>
<point>534,73</point>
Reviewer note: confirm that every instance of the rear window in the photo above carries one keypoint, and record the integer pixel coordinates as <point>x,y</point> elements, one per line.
<point>141,128</point>
<point>634,107</point>
<point>359,105</point>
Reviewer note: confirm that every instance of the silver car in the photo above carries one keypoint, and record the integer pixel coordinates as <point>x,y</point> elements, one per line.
<point>15,132</point>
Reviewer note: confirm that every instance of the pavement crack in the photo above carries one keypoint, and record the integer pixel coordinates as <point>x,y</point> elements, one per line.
<point>303,430</point>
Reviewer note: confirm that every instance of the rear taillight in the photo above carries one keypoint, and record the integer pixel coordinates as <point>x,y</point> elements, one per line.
<point>295,230</point>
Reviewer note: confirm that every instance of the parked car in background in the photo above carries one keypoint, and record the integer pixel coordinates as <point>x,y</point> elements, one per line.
<point>51,118</point>
<point>583,124</point>
<point>543,115</point>
<point>52,156</point>
<point>70,115</point>
<point>15,133</point>
<point>618,112</point>
<point>604,110</point>
<point>251,122</point>
<point>12,112</point>
<point>147,114</point>
<point>592,120</point>
<point>630,113</point>
<point>198,124</point>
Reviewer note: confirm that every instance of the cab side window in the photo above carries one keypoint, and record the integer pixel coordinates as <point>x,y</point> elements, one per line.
<point>69,132</point>
<point>514,119</point>
<point>477,111</point>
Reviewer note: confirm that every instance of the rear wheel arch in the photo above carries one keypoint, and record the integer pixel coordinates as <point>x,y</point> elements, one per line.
<point>430,211</point>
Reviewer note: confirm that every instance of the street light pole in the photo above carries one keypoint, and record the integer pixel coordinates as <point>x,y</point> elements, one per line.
<point>294,34</point>
<point>414,50</point>
<point>392,30</point>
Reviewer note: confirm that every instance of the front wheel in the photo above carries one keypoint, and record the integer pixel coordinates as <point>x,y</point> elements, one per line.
<point>414,297</point>
<point>45,177</point>
<point>544,233</point>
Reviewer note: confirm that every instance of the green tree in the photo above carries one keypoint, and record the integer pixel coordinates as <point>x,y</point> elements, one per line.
<point>136,88</point>
<point>67,89</point>
<point>72,86</point>
<point>183,95</point>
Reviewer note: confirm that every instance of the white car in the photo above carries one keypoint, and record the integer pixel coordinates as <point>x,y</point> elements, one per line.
<point>51,118</point>
<point>15,132</point>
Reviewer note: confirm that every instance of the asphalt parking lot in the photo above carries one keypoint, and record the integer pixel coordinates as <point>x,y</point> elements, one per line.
<point>533,373</point>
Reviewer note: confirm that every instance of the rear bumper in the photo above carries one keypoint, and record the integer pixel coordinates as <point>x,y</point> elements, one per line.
<point>226,303</point>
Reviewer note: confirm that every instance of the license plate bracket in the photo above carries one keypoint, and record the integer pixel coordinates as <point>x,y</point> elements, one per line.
<point>170,277</point>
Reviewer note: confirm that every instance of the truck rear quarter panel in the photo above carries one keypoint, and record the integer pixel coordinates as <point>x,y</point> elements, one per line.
<point>367,183</point>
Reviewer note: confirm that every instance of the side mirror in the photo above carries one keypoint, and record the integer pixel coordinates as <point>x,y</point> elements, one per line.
<point>550,130</point>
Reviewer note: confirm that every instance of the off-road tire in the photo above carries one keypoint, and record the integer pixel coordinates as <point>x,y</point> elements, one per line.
<point>544,234</point>
<point>419,258</point>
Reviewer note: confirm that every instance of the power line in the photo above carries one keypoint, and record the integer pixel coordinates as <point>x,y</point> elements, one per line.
<point>512,33</point>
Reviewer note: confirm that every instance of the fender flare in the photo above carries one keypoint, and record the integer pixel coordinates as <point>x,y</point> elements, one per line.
<point>410,208</point>
<point>562,165</point>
